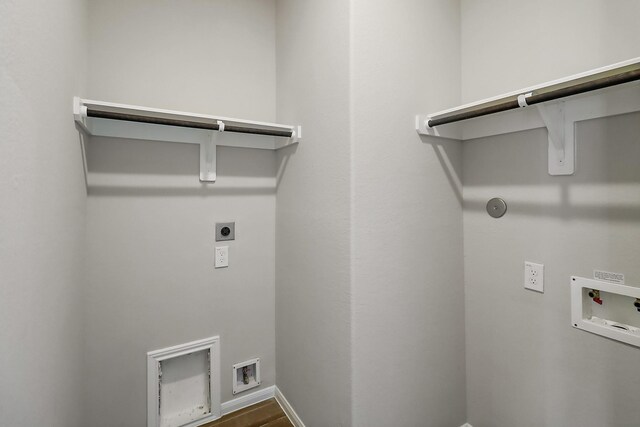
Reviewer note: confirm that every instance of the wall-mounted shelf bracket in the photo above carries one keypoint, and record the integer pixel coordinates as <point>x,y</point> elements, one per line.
<point>561,135</point>
<point>208,159</point>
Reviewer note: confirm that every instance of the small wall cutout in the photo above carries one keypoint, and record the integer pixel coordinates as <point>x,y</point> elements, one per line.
<point>246,375</point>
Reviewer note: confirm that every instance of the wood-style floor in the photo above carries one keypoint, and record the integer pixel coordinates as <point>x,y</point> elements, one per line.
<point>263,414</point>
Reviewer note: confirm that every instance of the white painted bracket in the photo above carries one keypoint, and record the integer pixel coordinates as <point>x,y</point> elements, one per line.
<point>80,113</point>
<point>208,158</point>
<point>561,135</point>
<point>296,134</point>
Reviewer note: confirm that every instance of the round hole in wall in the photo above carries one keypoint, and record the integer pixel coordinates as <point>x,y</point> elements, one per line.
<point>225,231</point>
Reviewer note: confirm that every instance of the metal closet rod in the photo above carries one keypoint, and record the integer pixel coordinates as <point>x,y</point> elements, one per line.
<point>186,123</point>
<point>511,103</point>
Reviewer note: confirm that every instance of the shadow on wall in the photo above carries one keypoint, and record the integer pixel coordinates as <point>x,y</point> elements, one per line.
<point>138,168</point>
<point>286,153</point>
<point>442,149</point>
<point>605,185</point>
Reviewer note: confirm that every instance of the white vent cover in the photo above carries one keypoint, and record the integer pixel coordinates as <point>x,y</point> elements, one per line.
<point>183,384</point>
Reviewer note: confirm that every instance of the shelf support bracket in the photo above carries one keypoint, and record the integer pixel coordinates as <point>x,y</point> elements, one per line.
<point>208,158</point>
<point>561,134</point>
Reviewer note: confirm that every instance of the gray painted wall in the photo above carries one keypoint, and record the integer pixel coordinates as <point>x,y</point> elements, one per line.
<point>42,213</point>
<point>408,294</point>
<point>313,208</point>
<point>151,222</point>
<point>561,38</point>
<point>365,312</point>
<point>526,365</point>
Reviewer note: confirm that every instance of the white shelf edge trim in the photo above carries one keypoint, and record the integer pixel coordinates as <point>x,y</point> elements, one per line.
<point>208,140</point>
<point>559,117</point>
<point>604,327</point>
<point>154,358</point>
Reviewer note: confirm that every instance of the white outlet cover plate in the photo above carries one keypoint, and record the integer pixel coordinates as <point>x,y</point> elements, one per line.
<point>222,256</point>
<point>534,276</point>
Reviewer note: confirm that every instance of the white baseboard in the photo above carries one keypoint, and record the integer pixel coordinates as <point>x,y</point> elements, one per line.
<point>268,393</point>
<point>288,409</point>
<point>247,400</point>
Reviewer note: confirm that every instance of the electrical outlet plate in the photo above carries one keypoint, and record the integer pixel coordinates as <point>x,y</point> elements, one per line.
<point>222,256</point>
<point>534,276</point>
<point>225,231</point>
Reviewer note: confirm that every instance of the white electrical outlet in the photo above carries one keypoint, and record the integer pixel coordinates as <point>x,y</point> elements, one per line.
<point>222,256</point>
<point>534,276</point>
